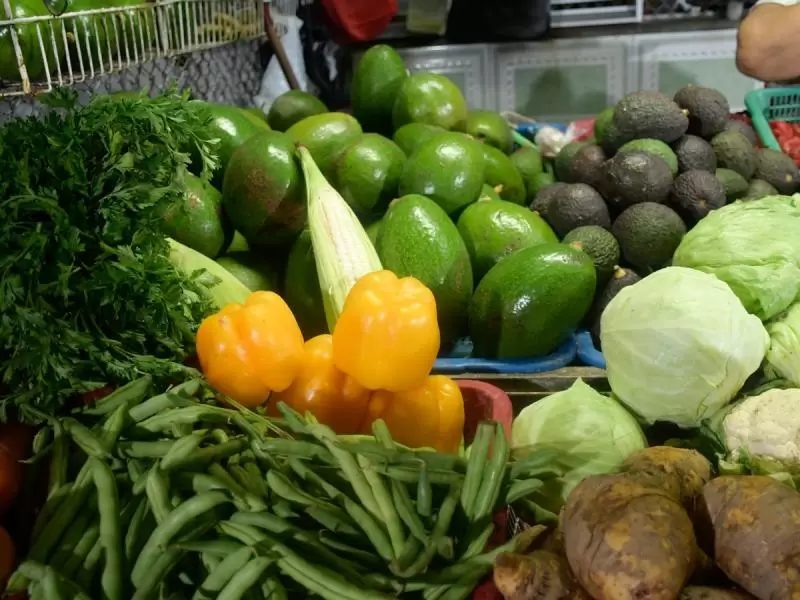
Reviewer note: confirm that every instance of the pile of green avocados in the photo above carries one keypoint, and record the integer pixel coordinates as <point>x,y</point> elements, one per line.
<point>518,250</point>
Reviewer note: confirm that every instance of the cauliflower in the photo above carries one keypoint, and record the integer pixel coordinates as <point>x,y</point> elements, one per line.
<point>763,432</point>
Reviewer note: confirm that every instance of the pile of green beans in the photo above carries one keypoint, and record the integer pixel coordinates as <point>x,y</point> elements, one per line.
<point>174,497</point>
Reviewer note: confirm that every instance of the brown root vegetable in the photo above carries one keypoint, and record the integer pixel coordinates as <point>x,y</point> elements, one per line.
<point>540,575</point>
<point>756,523</point>
<point>628,540</point>
<point>697,592</point>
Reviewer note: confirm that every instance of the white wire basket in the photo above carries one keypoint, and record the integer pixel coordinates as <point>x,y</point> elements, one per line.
<point>38,53</point>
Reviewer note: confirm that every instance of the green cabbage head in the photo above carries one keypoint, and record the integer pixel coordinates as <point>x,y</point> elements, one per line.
<point>586,432</point>
<point>783,355</point>
<point>679,345</point>
<point>754,247</point>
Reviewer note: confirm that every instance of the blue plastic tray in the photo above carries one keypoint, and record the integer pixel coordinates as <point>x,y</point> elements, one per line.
<point>587,353</point>
<point>460,362</point>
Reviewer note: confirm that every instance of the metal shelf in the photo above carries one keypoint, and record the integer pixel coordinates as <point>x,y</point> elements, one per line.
<point>59,50</point>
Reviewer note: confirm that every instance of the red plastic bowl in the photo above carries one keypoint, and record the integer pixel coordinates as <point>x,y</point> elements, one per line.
<point>482,402</point>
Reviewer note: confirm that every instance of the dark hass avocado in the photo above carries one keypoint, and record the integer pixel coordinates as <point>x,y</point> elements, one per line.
<point>325,136</point>
<point>490,128</point>
<point>563,161</point>
<point>695,194</point>
<point>620,279</point>
<point>735,152</point>
<point>694,154</point>
<point>530,301</point>
<point>656,148</point>
<point>376,82</point>
<point>648,234</point>
<point>263,194</point>
<point>708,110</point>
<point>412,136</point>
<point>601,246</point>
<point>301,288</point>
<point>778,170</point>
<point>545,197</point>
<point>649,114</point>
<point>498,170</point>
<point>635,177</point>
<point>735,185</point>
<point>418,239</point>
<point>759,189</point>
<point>743,128</point>
<point>447,169</point>
<point>292,107</point>
<point>588,166</point>
<point>430,98</point>
<point>576,206</point>
<point>493,229</point>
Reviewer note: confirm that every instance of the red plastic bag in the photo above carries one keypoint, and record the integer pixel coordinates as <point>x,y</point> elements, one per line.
<point>359,20</point>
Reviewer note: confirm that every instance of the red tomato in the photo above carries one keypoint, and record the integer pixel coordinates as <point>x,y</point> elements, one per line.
<point>7,557</point>
<point>782,129</point>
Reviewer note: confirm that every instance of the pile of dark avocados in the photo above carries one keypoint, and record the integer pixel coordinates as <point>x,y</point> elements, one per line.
<point>516,259</point>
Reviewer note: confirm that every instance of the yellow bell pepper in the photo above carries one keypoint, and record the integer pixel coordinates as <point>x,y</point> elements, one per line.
<point>249,350</point>
<point>334,398</point>
<point>430,416</point>
<point>387,336</point>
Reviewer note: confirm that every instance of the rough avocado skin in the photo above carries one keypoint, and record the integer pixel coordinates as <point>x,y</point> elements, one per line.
<point>293,106</point>
<point>695,194</point>
<point>563,161</point>
<point>546,196</point>
<point>735,185</point>
<point>648,234</point>
<point>620,279</point>
<point>778,170</point>
<point>655,147</point>
<point>576,206</point>
<point>601,124</point>
<point>634,177</point>
<point>412,136</point>
<point>198,220</point>
<point>743,128</point>
<point>447,169</point>
<point>588,166</point>
<point>430,98</point>
<point>759,189</point>
<point>376,83</point>
<point>694,154</point>
<point>367,174</point>
<point>490,128</point>
<point>529,302</point>
<point>418,239</point>
<point>493,229</point>
<point>735,152</point>
<point>499,170</point>
<point>264,194</point>
<point>325,136</point>
<point>708,110</point>
<point>301,288</point>
<point>600,245</point>
<point>649,114</point>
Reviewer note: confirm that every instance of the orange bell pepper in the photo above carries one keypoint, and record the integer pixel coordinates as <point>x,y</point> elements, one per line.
<point>334,398</point>
<point>430,416</point>
<point>249,350</point>
<point>387,336</point>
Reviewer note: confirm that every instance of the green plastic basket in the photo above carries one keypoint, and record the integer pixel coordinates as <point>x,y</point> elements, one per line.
<point>772,104</point>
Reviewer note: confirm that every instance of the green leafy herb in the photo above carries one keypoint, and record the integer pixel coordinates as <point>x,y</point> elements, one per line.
<point>88,295</point>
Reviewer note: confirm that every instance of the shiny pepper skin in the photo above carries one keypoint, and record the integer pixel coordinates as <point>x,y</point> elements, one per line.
<point>249,350</point>
<point>387,336</point>
<point>334,398</point>
<point>430,416</point>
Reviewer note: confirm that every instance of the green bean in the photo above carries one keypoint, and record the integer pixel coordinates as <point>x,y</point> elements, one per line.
<point>309,476</point>
<point>210,561</point>
<point>477,543</point>
<point>182,449</point>
<point>294,420</point>
<point>446,548</point>
<point>479,451</point>
<point>49,585</point>
<point>201,457</point>
<point>153,449</point>
<point>535,463</point>
<point>257,477</point>
<point>35,571</point>
<point>187,414</point>
<point>283,487</point>
<point>41,441</point>
<point>413,547</point>
<point>407,512</point>
<point>58,462</point>
<point>272,589</point>
<point>212,547</point>
<point>522,488</point>
<point>245,578</point>
<point>81,550</point>
<point>460,591</point>
<point>247,482</point>
<point>374,532</point>
<point>157,491</point>
<point>424,494</point>
<point>391,520</point>
<point>174,523</point>
<point>129,394</point>
<point>84,438</point>
<point>295,448</point>
<point>176,397</point>
<point>333,519</point>
<point>338,587</point>
<point>284,510</point>
<point>219,577</point>
<point>489,490</point>
<point>110,534</point>
<point>85,575</point>
<point>239,493</point>
<point>363,557</point>
<point>72,535</point>
<point>138,529</point>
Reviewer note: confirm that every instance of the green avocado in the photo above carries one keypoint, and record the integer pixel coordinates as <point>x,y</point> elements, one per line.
<point>758,188</point>
<point>263,193</point>
<point>601,246</point>
<point>493,229</point>
<point>253,271</point>
<point>563,161</point>
<point>419,240</point>
<point>447,169</point>
<point>412,136</point>
<point>430,98</point>
<point>489,193</point>
<point>325,136</point>
<point>656,148</point>
<point>28,41</point>
<point>735,185</point>
<point>373,229</point>
<point>528,162</point>
<point>367,174</point>
<point>293,106</point>
<point>601,124</point>
<point>735,152</point>
<point>500,171</point>
<point>647,114</point>
<point>778,170</point>
<point>648,234</point>
<point>301,288</point>
<point>198,221</point>
<point>530,302</point>
<point>376,84</point>
<point>490,128</point>
<point>257,113</point>
<point>238,244</point>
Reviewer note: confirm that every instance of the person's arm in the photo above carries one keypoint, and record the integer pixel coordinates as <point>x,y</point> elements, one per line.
<point>768,44</point>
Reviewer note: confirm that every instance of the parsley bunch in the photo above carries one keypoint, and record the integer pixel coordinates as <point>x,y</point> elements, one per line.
<point>88,295</point>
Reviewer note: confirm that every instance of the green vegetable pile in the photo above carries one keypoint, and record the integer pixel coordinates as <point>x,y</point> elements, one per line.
<point>170,497</point>
<point>89,295</point>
